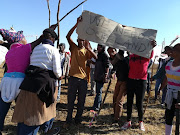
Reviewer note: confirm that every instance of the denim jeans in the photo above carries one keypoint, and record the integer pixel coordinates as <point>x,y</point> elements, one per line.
<point>23,129</point>
<point>4,107</point>
<point>47,125</point>
<point>158,82</point>
<point>98,98</point>
<point>76,86</point>
<point>59,90</point>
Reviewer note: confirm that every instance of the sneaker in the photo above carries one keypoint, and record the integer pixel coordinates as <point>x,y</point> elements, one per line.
<point>141,126</point>
<point>126,125</point>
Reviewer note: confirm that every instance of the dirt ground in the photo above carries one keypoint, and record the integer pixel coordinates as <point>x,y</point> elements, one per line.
<point>153,118</point>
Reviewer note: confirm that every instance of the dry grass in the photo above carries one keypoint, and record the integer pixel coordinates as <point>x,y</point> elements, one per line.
<point>153,118</point>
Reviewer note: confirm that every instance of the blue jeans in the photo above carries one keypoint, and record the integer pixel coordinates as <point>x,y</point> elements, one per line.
<point>4,107</point>
<point>158,82</point>
<point>47,125</point>
<point>23,129</point>
<point>59,90</point>
<point>98,98</point>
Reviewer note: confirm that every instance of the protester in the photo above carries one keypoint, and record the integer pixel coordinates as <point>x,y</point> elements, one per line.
<point>137,85</point>
<point>36,103</point>
<point>92,62</point>
<point>17,60</point>
<point>65,65</point>
<point>161,74</point>
<point>112,58</point>
<point>159,80</point>
<point>67,73</point>
<point>78,76</point>
<point>121,67</point>
<point>100,74</point>
<point>112,53</point>
<point>172,80</point>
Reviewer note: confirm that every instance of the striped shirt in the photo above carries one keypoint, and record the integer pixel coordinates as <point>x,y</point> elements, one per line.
<point>173,83</point>
<point>173,76</point>
<point>47,57</point>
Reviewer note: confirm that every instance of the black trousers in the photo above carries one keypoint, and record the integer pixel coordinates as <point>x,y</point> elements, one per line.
<point>169,114</point>
<point>76,86</point>
<point>137,87</point>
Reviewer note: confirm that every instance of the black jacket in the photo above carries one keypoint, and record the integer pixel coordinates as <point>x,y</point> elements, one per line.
<point>102,63</point>
<point>40,81</point>
<point>122,70</point>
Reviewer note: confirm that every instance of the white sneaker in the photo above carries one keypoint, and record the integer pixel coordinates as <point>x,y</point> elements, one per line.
<point>126,125</point>
<point>141,126</point>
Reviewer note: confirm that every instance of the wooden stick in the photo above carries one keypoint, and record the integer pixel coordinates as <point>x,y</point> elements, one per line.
<point>58,22</point>
<point>49,13</point>
<point>174,40</point>
<point>177,116</point>
<point>72,10</point>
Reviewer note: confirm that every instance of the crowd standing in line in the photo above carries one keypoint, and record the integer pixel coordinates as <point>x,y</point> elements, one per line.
<point>39,75</point>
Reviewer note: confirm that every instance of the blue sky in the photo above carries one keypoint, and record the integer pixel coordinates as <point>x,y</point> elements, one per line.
<point>31,16</point>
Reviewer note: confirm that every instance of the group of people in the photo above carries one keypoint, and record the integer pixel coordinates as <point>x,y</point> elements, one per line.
<point>35,70</point>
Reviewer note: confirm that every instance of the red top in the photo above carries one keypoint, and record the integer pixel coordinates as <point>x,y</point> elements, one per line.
<point>138,66</point>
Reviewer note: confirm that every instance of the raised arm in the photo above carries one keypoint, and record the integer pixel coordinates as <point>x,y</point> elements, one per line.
<point>36,42</point>
<point>68,36</point>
